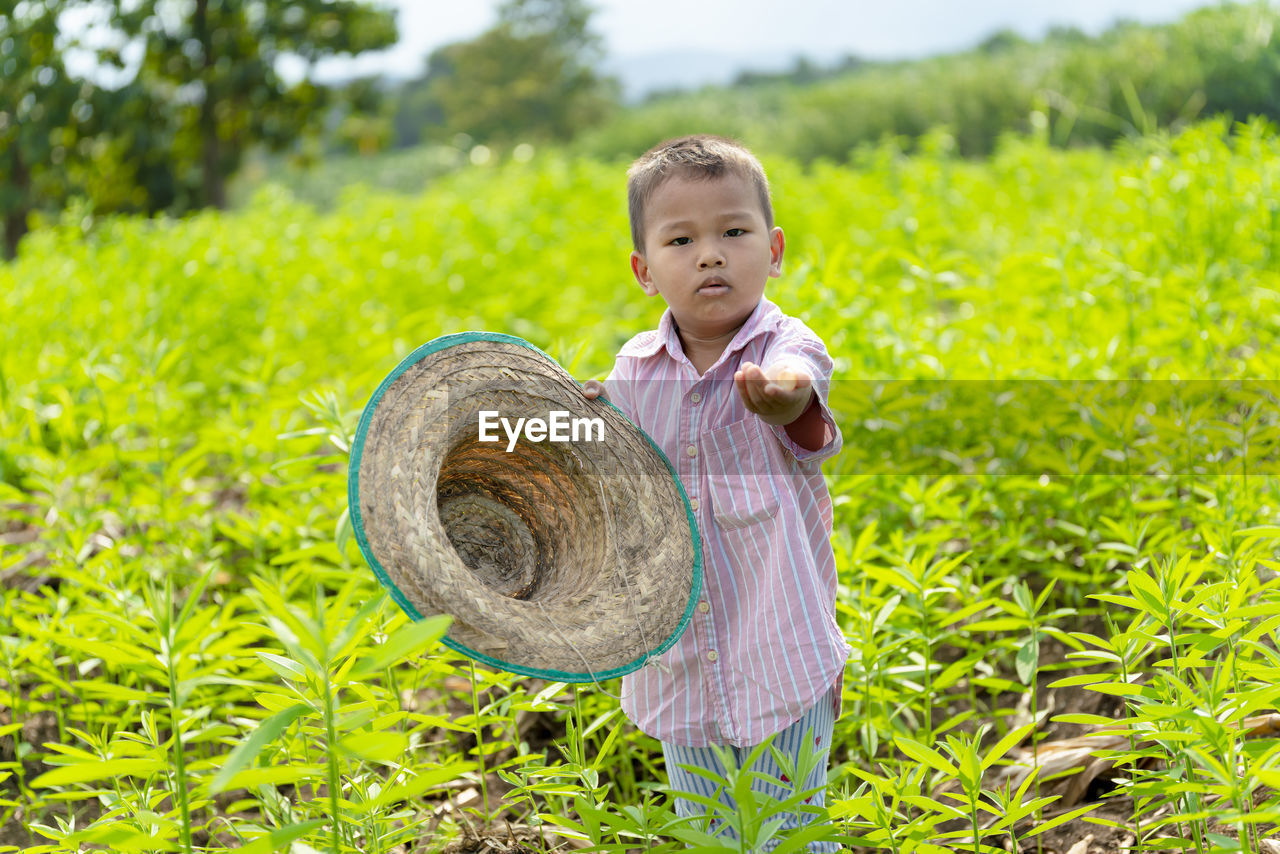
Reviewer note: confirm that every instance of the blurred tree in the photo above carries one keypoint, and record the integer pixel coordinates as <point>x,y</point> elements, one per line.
<point>1001,41</point>
<point>417,110</point>
<point>360,120</point>
<point>530,76</point>
<point>567,20</point>
<point>1066,34</point>
<point>210,67</point>
<point>803,72</point>
<point>45,116</point>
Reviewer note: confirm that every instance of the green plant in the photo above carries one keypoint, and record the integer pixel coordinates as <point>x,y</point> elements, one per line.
<point>184,614</point>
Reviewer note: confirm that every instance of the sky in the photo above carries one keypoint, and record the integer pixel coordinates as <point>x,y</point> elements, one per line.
<point>652,44</point>
<point>767,34</point>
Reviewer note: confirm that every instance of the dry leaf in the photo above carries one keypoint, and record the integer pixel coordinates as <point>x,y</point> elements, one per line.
<point>1081,847</point>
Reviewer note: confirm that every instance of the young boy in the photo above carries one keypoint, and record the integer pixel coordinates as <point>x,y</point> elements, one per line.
<point>734,392</point>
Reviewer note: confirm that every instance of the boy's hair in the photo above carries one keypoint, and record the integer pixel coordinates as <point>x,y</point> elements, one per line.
<point>700,156</point>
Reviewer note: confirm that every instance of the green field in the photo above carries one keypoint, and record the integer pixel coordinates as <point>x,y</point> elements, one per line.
<point>194,656</point>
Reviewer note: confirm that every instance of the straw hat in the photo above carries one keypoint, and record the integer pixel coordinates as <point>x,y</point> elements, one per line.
<point>569,560</point>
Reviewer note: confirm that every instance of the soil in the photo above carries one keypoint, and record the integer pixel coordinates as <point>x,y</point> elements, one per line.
<point>495,839</point>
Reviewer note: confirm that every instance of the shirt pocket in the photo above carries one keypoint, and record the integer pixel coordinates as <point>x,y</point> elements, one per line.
<point>741,461</point>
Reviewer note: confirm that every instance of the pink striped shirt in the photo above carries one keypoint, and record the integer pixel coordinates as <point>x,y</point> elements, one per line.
<point>763,645</point>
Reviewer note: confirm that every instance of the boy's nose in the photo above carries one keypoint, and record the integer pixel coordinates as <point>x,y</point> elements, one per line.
<point>711,259</point>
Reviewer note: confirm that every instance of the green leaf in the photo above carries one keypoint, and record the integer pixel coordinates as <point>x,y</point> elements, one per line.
<point>544,697</point>
<point>954,672</point>
<point>607,746</point>
<point>887,609</point>
<point>83,772</point>
<point>428,779</point>
<point>119,692</point>
<point>278,839</point>
<point>124,655</point>
<point>997,624</point>
<point>930,805</point>
<point>1086,719</point>
<point>342,530</point>
<point>1079,679</point>
<point>1113,599</point>
<point>408,640</point>
<point>357,628</point>
<point>1027,661</point>
<point>119,836</point>
<point>1122,548</point>
<point>927,755</point>
<point>326,552</point>
<point>274,776</point>
<point>1060,819</point>
<point>1022,597</point>
<point>375,746</point>
<point>248,750</point>
<point>1267,531</point>
<point>1118,689</point>
<point>286,668</point>
<point>1145,589</point>
<point>600,721</point>
<point>193,595</point>
<point>1004,745</point>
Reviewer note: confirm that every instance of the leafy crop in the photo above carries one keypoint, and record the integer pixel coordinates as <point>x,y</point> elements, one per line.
<point>193,656</point>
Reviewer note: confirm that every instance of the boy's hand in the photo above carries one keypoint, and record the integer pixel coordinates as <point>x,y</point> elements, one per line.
<point>779,396</point>
<point>592,389</point>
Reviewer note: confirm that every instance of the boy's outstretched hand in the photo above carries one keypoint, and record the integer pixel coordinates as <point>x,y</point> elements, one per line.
<point>592,389</point>
<point>779,397</point>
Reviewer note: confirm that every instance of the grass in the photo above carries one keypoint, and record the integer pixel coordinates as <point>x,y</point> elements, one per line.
<point>194,658</point>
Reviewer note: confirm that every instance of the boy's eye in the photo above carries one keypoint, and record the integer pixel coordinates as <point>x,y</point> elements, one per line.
<point>679,241</point>
<point>734,232</point>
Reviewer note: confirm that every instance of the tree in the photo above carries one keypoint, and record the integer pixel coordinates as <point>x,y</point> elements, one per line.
<point>360,121</point>
<point>565,21</point>
<point>45,116</point>
<point>211,66</point>
<point>1001,41</point>
<point>531,76</point>
<point>1066,34</point>
<point>416,109</point>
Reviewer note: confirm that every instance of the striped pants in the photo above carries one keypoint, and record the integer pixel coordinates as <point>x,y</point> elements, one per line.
<point>814,727</point>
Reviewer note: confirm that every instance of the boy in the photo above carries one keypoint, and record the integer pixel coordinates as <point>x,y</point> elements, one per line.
<point>734,392</point>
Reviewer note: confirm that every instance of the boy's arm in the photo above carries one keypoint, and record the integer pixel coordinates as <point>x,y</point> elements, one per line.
<point>810,430</point>
<point>789,392</point>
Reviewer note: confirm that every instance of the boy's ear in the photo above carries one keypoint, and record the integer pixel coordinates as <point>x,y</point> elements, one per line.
<point>777,243</point>
<point>641,271</point>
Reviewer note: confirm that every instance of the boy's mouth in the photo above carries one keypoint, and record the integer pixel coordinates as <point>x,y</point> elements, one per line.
<point>713,286</point>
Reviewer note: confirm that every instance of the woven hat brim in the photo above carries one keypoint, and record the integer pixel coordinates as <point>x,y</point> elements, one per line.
<point>604,534</point>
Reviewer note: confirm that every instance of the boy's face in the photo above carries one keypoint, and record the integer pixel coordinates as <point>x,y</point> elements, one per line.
<point>708,252</point>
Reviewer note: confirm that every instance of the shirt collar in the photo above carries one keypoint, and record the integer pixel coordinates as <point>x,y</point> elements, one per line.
<point>763,319</point>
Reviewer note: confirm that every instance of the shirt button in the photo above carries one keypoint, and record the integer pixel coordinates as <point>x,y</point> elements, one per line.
<point>693,504</point>
<point>712,655</point>
<point>704,607</point>
<point>692,450</point>
<point>695,397</point>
